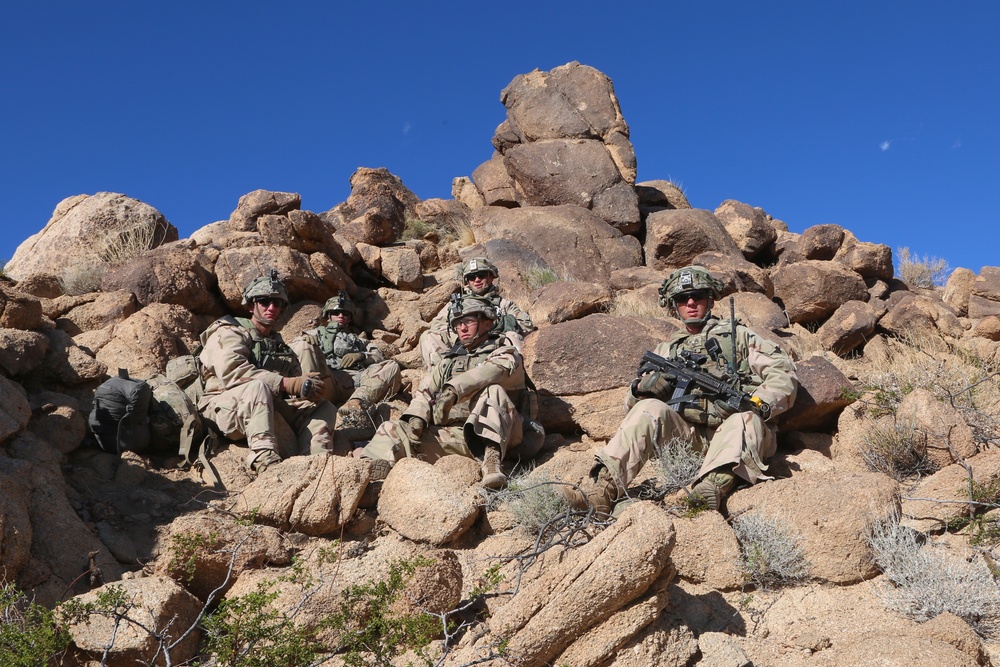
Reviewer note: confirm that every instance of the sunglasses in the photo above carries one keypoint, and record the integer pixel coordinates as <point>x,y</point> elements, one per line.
<point>697,295</point>
<point>268,303</point>
<point>478,275</point>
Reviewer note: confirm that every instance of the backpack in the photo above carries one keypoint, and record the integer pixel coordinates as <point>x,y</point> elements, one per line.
<point>176,424</point>
<point>119,419</point>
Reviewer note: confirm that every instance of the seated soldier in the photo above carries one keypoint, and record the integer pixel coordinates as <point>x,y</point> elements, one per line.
<point>354,372</point>
<point>468,404</point>
<point>249,373</point>
<point>478,277</point>
<point>735,443</point>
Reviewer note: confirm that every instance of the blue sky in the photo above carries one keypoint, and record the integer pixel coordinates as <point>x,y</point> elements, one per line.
<point>880,117</point>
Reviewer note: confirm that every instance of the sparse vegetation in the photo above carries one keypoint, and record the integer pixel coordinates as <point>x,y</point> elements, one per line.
<point>83,278</point>
<point>923,581</point>
<point>895,449</point>
<point>534,503</point>
<point>446,230</point>
<point>677,464</point>
<point>120,246</point>
<point>915,271</point>
<point>635,304</point>
<point>29,634</point>
<point>538,277</point>
<point>770,556</point>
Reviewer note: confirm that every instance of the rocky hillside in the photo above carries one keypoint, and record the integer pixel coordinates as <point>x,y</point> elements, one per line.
<point>897,420</point>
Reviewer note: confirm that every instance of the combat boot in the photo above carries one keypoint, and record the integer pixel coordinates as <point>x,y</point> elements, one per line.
<point>354,414</point>
<point>261,459</point>
<point>493,477</point>
<point>380,470</point>
<point>713,487</point>
<point>599,494</point>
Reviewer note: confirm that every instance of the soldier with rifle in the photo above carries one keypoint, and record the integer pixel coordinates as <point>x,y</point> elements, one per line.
<point>715,384</point>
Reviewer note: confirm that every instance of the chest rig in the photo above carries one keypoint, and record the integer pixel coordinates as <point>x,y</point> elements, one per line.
<point>270,353</point>
<point>336,343</point>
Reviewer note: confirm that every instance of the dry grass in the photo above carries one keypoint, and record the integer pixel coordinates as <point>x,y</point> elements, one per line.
<point>122,245</point>
<point>677,464</point>
<point>952,374</point>
<point>894,449</point>
<point>446,230</point>
<point>635,304</point>
<point>770,556</point>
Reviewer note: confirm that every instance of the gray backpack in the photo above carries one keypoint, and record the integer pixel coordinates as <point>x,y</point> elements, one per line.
<point>119,419</point>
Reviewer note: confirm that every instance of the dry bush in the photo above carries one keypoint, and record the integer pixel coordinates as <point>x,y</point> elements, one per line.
<point>83,278</point>
<point>533,502</point>
<point>635,304</point>
<point>952,374</point>
<point>923,581</point>
<point>677,464</point>
<point>121,245</point>
<point>894,449</point>
<point>915,271</point>
<point>446,229</point>
<point>770,555</point>
<point>537,277</point>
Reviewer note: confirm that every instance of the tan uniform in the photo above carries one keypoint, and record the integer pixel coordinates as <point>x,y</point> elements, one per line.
<point>740,441</point>
<point>490,384</point>
<point>320,351</point>
<point>439,338</point>
<point>242,373</point>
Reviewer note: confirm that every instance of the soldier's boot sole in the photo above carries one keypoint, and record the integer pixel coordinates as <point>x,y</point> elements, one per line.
<point>713,488</point>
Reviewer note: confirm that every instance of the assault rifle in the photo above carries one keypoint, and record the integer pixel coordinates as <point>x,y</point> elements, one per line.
<point>686,369</point>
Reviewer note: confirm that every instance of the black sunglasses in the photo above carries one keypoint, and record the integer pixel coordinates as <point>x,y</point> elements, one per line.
<point>478,275</point>
<point>268,302</point>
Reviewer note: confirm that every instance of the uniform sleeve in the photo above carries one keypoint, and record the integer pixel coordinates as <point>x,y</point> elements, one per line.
<point>226,362</point>
<point>779,383</point>
<point>523,319</point>
<point>440,321</point>
<point>421,405</point>
<point>504,367</point>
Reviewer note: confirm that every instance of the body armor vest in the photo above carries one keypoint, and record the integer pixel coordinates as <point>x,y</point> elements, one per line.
<point>270,353</point>
<point>335,344</point>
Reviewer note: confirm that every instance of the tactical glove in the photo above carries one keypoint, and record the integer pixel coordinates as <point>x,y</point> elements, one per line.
<point>415,427</point>
<point>443,403</point>
<point>352,360</point>
<point>656,384</point>
<point>303,386</point>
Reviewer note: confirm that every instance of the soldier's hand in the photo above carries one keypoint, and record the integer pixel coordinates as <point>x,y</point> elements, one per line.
<point>656,384</point>
<point>443,403</point>
<point>416,427</point>
<point>303,386</point>
<point>352,360</point>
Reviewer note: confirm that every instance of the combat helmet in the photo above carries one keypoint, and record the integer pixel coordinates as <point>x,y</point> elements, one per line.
<point>462,305</point>
<point>691,278</point>
<point>477,264</point>
<point>338,304</point>
<point>265,287</point>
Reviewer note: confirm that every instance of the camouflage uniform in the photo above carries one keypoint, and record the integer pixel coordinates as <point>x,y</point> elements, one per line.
<point>490,384</point>
<point>439,338</point>
<point>320,350</point>
<point>740,441</point>
<point>242,372</point>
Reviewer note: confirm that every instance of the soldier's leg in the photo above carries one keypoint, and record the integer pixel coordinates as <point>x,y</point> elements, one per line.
<point>493,421</point>
<point>648,425</point>
<point>314,427</point>
<point>378,382</point>
<point>246,411</point>
<point>343,386</point>
<point>393,440</point>
<point>741,444</point>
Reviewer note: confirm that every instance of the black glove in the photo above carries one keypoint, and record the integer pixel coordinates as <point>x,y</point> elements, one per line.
<point>656,384</point>
<point>309,386</point>
<point>352,360</point>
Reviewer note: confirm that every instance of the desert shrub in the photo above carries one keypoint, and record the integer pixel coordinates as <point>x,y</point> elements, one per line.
<point>635,304</point>
<point>538,276</point>
<point>533,502</point>
<point>83,278</point>
<point>29,634</point>
<point>415,228</point>
<point>770,556</point>
<point>922,581</point>
<point>119,246</point>
<point>446,229</point>
<point>895,450</point>
<point>916,271</point>
<point>677,464</point>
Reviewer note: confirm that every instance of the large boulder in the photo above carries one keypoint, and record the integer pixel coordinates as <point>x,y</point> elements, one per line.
<point>594,581</point>
<point>564,142</point>
<point>831,515</point>
<point>158,606</point>
<point>90,229</point>
<point>675,237</point>
<point>254,205</point>
<point>174,273</point>
<point>562,301</point>
<point>850,326</point>
<point>147,340</point>
<point>984,298</point>
<point>812,290</point>
<point>958,289</point>
<point>97,311</point>
<point>748,226</point>
<point>19,310</point>
<point>941,497</point>
<point>21,351</point>
<point>872,261</point>
<point>911,315</point>
<point>823,394</point>
<point>57,420</point>
<point>15,516</point>
<point>15,411</point>
<point>314,277</point>
<point>571,240</point>
<point>938,428</point>
<point>376,210</point>
<point>660,196</point>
